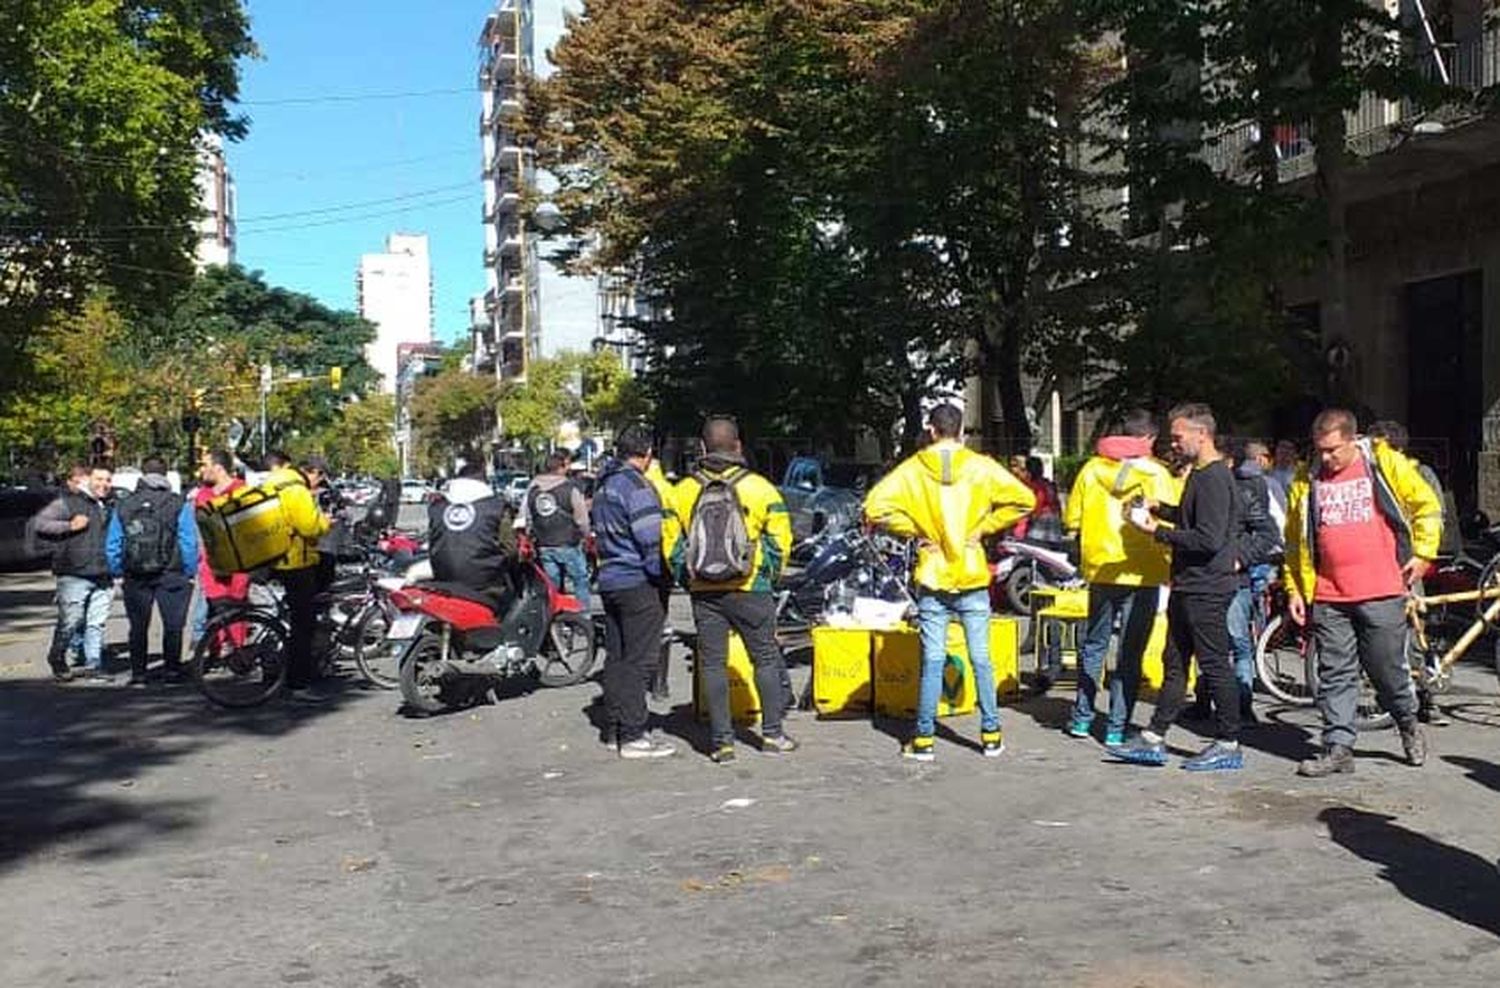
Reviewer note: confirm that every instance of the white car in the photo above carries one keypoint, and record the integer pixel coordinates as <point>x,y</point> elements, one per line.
<point>515,490</point>
<point>415,491</point>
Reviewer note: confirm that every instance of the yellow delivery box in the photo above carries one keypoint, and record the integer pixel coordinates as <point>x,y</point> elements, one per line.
<point>244,530</point>
<point>897,666</point>
<point>841,682</point>
<point>744,699</point>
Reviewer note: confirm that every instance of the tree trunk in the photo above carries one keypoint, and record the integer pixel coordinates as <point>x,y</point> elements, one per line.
<point>1330,136</point>
<point>1000,387</point>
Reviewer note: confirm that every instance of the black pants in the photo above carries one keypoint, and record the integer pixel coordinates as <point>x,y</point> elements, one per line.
<point>753,615</point>
<point>632,640</point>
<point>301,587</point>
<point>169,593</point>
<point>1197,624</point>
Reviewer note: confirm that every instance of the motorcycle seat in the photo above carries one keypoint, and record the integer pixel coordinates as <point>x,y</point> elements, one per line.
<point>493,600</point>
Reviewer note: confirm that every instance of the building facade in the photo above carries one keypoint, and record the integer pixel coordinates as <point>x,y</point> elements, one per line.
<point>509,334</point>
<point>395,293</point>
<point>216,205</point>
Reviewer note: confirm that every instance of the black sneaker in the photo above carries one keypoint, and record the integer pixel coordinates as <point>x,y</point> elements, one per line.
<point>62,674</point>
<point>96,676</point>
<point>722,754</point>
<point>1334,760</point>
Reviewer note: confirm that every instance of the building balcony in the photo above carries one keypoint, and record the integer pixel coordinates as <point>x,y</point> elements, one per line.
<point>1377,125</point>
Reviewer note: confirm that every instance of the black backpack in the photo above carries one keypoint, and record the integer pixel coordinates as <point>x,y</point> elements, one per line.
<point>149,519</point>
<point>718,541</point>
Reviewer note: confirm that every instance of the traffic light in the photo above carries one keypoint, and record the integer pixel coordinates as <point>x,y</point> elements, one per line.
<point>336,378</point>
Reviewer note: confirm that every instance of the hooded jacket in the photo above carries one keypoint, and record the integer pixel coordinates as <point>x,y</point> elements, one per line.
<point>301,511</point>
<point>472,535</point>
<point>185,558</point>
<point>766,521</point>
<point>1113,551</point>
<point>1405,501</point>
<point>949,497</point>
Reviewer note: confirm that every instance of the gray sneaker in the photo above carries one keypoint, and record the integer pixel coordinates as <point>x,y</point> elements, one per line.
<point>778,744</point>
<point>647,748</point>
<point>1335,759</point>
<point>1414,743</point>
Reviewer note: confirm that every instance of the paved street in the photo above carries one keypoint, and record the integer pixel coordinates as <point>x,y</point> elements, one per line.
<point>147,838</point>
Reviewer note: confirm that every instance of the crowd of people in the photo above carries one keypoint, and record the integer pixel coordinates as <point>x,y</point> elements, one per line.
<point>1352,532</point>
<point>146,541</point>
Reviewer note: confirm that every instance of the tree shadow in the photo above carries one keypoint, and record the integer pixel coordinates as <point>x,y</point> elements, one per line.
<point>69,757</point>
<point>1485,773</point>
<point>1447,879</point>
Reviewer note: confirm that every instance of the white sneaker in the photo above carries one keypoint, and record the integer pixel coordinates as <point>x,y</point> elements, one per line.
<point>646,748</point>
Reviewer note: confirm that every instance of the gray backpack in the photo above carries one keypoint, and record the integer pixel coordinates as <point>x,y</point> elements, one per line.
<point>718,542</point>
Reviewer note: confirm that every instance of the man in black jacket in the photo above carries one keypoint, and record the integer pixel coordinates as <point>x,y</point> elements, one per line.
<point>472,534</point>
<point>1205,552</point>
<point>74,526</point>
<point>1260,550</point>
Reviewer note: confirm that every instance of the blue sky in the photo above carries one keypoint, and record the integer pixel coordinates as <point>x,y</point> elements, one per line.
<point>409,164</point>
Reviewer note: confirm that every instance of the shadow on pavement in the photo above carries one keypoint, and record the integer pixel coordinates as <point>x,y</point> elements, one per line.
<point>1485,773</point>
<point>1447,879</point>
<point>70,756</point>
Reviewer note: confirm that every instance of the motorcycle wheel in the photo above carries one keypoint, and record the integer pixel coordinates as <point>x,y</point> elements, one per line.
<point>1018,589</point>
<point>422,680</point>
<point>568,653</point>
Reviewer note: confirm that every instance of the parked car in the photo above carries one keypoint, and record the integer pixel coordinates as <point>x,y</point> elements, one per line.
<point>416,491</point>
<point>812,486</point>
<point>515,490</point>
<point>17,506</point>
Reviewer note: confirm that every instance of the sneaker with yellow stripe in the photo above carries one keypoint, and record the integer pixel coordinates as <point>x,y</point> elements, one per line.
<point>991,743</point>
<point>919,749</point>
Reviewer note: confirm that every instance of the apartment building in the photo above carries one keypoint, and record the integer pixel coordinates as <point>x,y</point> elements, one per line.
<point>216,205</point>
<point>395,293</point>
<point>509,333</point>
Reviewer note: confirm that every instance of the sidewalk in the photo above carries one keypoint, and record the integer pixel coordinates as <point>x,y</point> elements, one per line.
<point>149,839</point>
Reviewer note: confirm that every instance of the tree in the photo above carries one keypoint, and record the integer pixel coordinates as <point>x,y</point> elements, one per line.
<point>453,413</point>
<point>103,106</point>
<point>360,440</point>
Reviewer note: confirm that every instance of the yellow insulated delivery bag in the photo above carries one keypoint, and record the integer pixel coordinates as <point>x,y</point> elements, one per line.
<point>244,530</point>
<point>841,672</point>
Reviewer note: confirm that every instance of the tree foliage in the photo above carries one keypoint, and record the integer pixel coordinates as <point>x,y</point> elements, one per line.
<point>453,413</point>
<point>103,104</point>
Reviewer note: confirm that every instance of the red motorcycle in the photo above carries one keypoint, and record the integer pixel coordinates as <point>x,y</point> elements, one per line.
<point>463,644</point>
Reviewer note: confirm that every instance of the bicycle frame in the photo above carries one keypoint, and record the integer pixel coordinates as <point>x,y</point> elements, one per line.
<point>1417,606</point>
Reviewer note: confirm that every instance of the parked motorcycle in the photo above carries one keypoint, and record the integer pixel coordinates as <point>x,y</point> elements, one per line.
<point>1020,565</point>
<point>463,644</point>
<point>842,563</point>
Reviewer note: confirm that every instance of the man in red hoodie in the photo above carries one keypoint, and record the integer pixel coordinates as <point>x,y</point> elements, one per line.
<point>217,473</point>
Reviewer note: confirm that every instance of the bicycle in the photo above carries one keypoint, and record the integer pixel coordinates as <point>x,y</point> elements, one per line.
<point>1286,659</point>
<point>239,660</point>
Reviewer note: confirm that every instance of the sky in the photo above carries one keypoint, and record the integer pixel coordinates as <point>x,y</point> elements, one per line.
<point>327,172</point>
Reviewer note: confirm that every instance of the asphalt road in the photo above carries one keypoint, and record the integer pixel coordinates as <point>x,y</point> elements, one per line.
<point>149,839</point>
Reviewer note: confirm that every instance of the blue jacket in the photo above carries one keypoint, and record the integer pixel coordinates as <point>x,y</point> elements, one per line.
<point>627,516</point>
<point>187,538</point>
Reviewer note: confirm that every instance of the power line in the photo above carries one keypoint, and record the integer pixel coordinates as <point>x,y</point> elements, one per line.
<point>357,97</point>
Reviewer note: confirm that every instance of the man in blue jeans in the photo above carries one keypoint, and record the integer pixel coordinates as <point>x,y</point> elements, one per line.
<point>1260,552</point>
<point>1125,567</point>
<point>948,498</point>
<point>556,518</point>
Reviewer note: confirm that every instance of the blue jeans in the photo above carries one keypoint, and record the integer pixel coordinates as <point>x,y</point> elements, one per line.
<point>82,609</point>
<point>1242,627</point>
<point>560,560</point>
<point>934,611</point>
<point>1136,607</point>
<point>200,617</point>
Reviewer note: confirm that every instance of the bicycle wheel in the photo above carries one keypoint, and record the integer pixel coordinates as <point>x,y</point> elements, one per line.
<point>1489,580</point>
<point>1286,661</point>
<point>240,660</point>
<point>376,658</point>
